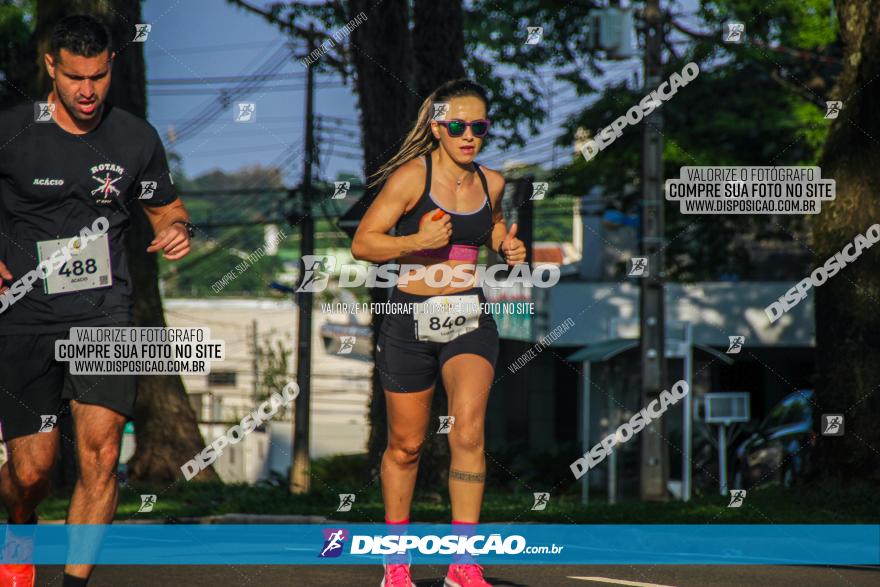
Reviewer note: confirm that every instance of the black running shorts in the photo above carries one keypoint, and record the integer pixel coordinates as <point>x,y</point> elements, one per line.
<point>406,363</point>
<point>33,385</point>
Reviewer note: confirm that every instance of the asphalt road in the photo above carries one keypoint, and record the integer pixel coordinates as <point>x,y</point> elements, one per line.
<point>506,576</point>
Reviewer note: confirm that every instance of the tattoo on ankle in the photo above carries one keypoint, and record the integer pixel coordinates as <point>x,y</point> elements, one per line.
<point>465,476</point>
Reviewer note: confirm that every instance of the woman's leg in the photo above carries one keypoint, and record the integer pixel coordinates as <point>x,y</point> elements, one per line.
<point>408,415</point>
<point>467,379</point>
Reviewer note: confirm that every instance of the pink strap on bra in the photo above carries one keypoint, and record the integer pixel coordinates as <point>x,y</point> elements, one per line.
<point>451,252</point>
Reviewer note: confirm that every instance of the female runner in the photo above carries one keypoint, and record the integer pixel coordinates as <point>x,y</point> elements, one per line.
<point>444,206</point>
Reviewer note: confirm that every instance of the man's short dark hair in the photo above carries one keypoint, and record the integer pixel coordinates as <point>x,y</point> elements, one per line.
<point>80,34</point>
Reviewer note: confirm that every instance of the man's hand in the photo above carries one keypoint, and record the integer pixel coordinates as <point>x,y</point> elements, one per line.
<point>514,249</point>
<point>173,241</point>
<point>5,278</point>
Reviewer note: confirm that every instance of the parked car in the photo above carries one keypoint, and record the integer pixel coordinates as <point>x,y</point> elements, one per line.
<point>780,448</point>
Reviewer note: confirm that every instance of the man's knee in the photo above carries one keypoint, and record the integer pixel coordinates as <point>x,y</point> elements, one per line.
<point>98,462</point>
<point>29,477</point>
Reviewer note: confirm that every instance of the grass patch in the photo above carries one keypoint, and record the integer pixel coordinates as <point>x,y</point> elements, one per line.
<point>826,503</point>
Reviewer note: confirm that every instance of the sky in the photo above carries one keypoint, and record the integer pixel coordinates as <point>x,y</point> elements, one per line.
<point>192,42</point>
<point>198,40</point>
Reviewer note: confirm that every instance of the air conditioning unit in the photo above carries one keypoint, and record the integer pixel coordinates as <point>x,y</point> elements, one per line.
<point>613,30</point>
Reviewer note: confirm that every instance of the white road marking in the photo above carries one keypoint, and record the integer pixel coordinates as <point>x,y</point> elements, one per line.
<point>619,582</point>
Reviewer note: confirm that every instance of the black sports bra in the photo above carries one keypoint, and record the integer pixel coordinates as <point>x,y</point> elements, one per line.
<point>468,228</point>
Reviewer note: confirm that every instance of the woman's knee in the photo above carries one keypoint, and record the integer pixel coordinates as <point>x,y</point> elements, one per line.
<point>404,452</point>
<point>466,437</point>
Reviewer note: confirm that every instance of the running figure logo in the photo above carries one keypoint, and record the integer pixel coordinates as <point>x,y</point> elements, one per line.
<point>737,497</point>
<point>43,112</point>
<point>141,32</point>
<point>333,540</point>
<point>541,501</point>
<point>346,344</point>
<point>346,500</point>
<point>47,423</point>
<point>639,267</point>
<point>833,108</point>
<point>341,189</point>
<point>535,35</point>
<point>147,503</point>
<point>734,32</point>
<point>832,424</point>
<point>245,112</point>
<point>317,273</point>
<point>441,109</point>
<point>148,189</point>
<point>539,190</point>
<point>446,423</point>
<point>736,344</point>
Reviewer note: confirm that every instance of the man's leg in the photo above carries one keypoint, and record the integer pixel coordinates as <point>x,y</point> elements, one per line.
<point>24,478</point>
<point>98,435</point>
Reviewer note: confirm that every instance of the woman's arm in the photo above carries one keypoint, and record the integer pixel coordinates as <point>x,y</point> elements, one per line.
<point>372,241</point>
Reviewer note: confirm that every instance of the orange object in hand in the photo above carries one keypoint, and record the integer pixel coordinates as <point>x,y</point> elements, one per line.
<point>437,216</point>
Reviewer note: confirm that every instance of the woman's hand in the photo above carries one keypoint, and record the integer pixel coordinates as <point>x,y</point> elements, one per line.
<point>514,250</point>
<point>434,234</point>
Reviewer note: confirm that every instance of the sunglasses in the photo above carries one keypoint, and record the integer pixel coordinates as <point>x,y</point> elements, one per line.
<point>456,127</point>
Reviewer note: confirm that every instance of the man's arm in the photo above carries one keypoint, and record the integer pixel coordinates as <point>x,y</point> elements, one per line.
<point>172,237</point>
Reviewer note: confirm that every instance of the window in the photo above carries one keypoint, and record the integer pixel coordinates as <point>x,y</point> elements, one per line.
<point>221,378</point>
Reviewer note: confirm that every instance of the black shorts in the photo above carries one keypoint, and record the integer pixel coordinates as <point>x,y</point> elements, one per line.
<point>33,384</point>
<point>406,363</point>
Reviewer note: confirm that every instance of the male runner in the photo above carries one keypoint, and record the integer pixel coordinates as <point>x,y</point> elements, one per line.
<point>67,165</point>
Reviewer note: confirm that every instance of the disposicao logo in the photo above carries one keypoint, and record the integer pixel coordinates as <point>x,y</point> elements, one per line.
<point>334,539</point>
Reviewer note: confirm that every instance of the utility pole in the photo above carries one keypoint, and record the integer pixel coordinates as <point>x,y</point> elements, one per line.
<point>654,462</point>
<point>300,470</point>
<point>255,364</point>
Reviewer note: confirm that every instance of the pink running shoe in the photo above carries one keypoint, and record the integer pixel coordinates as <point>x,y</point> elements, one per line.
<point>397,576</point>
<point>465,576</point>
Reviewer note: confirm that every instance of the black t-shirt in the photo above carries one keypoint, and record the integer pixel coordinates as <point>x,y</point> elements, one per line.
<point>53,184</point>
